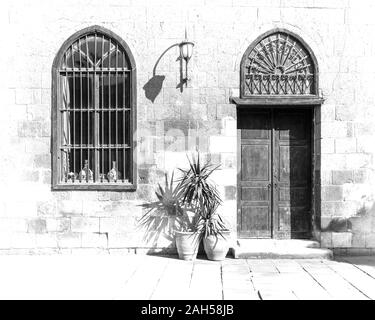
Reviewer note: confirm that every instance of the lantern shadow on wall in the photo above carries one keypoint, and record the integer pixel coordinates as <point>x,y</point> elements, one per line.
<point>153,87</point>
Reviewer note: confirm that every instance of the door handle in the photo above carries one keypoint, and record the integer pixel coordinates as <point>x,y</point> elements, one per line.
<point>270,185</point>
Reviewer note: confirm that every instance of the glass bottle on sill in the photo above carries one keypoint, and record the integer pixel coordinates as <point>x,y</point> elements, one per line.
<point>113,175</point>
<point>86,174</point>
<point>72,177</point>
<point>102,178</point>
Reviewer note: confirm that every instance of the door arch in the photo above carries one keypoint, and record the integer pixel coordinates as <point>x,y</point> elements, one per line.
<point>279,63</point>
<point>276,112</point>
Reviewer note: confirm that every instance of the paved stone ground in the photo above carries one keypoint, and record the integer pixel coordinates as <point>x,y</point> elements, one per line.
<point>150,277</point>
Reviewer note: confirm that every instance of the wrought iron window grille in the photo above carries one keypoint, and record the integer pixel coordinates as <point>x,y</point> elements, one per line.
<point>94,113</point>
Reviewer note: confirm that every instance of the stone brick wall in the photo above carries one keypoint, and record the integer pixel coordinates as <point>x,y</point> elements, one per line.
<point>33,218</point>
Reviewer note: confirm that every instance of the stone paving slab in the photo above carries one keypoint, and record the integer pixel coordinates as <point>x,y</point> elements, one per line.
<point>259,249</point>
<point>167,278</point>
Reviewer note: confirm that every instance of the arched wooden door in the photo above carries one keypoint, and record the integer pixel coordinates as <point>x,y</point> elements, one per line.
<point>275,135</point>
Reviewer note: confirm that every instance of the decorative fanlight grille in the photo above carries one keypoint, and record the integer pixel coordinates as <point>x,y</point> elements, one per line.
<point>278,65</point>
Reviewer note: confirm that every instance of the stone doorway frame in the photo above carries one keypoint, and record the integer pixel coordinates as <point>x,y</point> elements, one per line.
<point>311,101</point>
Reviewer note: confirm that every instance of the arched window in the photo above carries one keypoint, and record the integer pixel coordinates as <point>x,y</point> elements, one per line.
<point>94,112</point>
<point>278,63</point>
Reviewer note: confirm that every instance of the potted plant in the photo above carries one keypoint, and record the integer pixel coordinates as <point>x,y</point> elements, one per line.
<point>170,216</point>
<point>203,197</point>
<point>187,243</point>
<point>215,233</point>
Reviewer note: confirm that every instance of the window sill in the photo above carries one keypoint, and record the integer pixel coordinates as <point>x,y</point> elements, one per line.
<point>94,187</point>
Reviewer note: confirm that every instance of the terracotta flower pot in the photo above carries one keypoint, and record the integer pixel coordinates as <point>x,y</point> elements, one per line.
<point>187,244</point>
<point>216,248</point>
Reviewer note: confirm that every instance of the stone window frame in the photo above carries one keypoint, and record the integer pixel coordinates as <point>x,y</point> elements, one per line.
<point>56,122</point>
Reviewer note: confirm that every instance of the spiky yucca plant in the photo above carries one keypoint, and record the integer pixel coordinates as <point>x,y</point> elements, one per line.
<point>198,192</point>
<point>210,223</point>
<point>167,213</point>
<point>202,196</point>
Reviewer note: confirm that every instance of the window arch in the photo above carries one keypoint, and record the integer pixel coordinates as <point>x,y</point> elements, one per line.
<point>279,63</point>
<point>94,112</point>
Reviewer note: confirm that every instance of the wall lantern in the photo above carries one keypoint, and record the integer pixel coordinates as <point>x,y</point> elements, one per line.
<point>186,51</point>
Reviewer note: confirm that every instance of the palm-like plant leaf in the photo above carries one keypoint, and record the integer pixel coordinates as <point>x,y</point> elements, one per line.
<point>168,212</point>
<point>194,182</point>
<point>202,195</point>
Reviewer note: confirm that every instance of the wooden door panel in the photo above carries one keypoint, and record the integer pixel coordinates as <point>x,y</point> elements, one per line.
<point>299,157</point>
<point>255,194</point>
<point>258,128</point>
<point>255,162</point>
<point>293,223</point>
<point>300,223</point>
<point>292,147</point>
<point>291,126</point>
<point>274,198</point>
<point>283,223</point>
<point>298,196</point>
<point>256,221</point>
<point>255,151</point>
